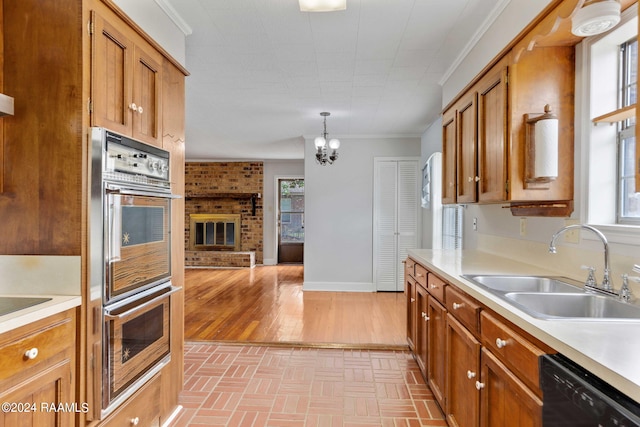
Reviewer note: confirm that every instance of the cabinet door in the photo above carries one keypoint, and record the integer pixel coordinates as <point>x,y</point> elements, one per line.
<point>463,398</point>
<point>410,293</point>
<point>505,400</point>
<point>437,357</point>
<point>422,321</point>
<point>466,117</point>
<point>147,83</point>
<point>39,396</point>
<point>449,157</point>
<point>492,136</point>
<point>111,85</point>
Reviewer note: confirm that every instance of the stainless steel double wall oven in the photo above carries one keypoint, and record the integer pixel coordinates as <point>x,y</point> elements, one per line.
<point>130,261</point>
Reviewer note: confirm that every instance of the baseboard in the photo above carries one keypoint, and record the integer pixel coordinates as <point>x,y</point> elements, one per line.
<point>338,286</point>
<point>270,261</point>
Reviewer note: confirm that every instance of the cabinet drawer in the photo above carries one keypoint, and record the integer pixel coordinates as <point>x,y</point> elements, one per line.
<point>436,287</point>
<point>512,349</point>
<point>409,267</point>
<point>43,339</point>
<point>421,275</point>
<point>143,408</point>
<point>463,308</point>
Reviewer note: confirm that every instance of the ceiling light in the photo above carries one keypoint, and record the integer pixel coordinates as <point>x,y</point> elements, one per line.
<point>322,156</point>
<point>322,5</point>
<point>596,18</point>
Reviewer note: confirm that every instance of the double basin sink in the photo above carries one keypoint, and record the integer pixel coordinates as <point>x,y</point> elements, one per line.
<point>555,298</point>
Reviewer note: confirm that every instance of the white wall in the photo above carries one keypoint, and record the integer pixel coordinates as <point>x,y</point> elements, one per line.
<point>513,19</point>
<point>339,213</point>
<point>274,169</point>
<point>155,22</point>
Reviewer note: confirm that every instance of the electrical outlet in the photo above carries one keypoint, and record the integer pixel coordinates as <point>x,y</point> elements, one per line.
<point>475,224</point>
<point>571,236</point>
<point>523,226</point>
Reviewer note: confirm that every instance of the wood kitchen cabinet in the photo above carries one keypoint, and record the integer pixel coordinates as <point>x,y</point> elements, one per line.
<point>410,294</point>
<point>437,360</point>
<point>505,400</point>
<point>466,146</point>
<point>463,398</point>
<point>37,367</point>
<point>493,134</point>
<point>421,349</point>
<point>481,369</point>
<point>449,159</point>
<point>126,80</point>
<point>493,166</point>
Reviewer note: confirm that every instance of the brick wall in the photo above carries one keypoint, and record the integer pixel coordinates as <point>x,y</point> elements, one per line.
<point>225,188</point>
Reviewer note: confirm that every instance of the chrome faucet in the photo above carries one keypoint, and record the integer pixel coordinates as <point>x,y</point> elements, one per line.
<point>606,282</point>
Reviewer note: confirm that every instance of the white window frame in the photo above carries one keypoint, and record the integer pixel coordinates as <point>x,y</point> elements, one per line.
<point>595,145</point>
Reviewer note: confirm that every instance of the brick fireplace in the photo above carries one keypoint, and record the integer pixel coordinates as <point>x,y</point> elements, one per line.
<point>223,214</point>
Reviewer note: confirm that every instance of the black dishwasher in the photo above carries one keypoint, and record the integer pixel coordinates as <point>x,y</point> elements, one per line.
<point>574,397</point>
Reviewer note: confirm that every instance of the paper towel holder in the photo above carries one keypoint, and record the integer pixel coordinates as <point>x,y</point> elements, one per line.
<point>541,149</point>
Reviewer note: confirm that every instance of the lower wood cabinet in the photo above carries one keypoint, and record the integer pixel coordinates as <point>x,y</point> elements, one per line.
<point>142,409</point>
<point>422,322</point>
<point>437,341</point>
<point>482,370</point>
<point>37,366</point>
<point>463,375</point>
<point>505,400</point>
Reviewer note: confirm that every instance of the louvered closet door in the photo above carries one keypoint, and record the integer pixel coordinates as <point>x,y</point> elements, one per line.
<point>395,220</point>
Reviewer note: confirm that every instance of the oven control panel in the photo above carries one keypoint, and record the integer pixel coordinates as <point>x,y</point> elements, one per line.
<point>132,157</point>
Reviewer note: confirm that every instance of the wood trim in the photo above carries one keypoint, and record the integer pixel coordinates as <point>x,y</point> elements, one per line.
<point>618,115</point>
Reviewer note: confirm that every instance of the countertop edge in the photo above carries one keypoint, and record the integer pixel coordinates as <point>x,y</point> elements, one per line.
<point>450,265</point>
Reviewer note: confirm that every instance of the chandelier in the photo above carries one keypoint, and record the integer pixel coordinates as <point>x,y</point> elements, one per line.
<point>322,155</point>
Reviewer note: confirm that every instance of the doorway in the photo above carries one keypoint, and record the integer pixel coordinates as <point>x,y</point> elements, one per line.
<point>290,221</point>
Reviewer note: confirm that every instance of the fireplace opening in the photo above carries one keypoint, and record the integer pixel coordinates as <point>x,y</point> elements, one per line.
<point>214,232</point>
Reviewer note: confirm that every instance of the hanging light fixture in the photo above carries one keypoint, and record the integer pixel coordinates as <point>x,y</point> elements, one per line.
<point>321,142</point>
<point>595,17</point>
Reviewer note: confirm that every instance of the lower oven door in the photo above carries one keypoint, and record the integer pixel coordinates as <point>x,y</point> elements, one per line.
<point>136,342</point>
<point>137,240</point>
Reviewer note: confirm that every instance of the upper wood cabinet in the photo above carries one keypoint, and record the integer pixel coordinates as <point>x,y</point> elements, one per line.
<point>466,126</point>
<point>490,129</point>
<point>489,122</point>
<point>493,134</point>
<point>126,80</point>
<point>449,169</point>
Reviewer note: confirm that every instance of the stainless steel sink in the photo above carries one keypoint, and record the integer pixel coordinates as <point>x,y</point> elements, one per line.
<point>573,306</point>
<point>503,284</point>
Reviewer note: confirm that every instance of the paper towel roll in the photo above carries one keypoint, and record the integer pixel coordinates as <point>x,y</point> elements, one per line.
<point>546,149</point>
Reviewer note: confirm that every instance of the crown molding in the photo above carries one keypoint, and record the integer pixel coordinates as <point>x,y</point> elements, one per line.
<point>168,9</point>
<point>486,24</point>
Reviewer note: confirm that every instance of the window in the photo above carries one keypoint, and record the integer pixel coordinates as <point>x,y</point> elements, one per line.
<point>628,199</point>
<point>606,76</point>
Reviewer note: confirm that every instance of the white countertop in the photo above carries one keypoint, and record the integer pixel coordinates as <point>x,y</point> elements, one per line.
<point>57,304</point>
<point>47,276</point>
<point>608,349</point>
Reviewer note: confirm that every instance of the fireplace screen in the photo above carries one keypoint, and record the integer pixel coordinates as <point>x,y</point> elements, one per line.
<point>215,232</point>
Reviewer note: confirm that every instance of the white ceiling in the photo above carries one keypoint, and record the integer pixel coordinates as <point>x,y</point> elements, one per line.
<point>262,71</point>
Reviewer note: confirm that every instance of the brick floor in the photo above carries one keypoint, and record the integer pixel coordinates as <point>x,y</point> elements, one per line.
<point>235,385</point>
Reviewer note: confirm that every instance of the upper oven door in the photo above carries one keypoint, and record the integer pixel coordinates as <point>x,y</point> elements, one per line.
<point>137,240</point>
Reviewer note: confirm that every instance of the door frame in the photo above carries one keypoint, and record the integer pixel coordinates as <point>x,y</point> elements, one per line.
<point>276,204</point>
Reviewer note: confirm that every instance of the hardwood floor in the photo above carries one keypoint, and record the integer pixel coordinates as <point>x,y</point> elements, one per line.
<point>267,305</point>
